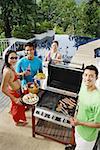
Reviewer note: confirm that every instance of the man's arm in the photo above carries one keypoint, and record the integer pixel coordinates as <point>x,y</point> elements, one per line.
<point>75,122</point>
<point>90,124</point>
<point>40,68</point>
<point>21,73</point>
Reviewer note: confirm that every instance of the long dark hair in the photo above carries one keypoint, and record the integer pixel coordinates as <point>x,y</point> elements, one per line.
<point>6,64</point>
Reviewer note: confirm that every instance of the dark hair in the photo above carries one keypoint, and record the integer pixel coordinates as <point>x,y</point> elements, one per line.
<point>6,58</point>
<point>92,67</point>
<point>56,42</point>
<point>30,45</point>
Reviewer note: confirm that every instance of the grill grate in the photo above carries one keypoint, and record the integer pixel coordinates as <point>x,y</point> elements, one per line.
<point>55,132</point>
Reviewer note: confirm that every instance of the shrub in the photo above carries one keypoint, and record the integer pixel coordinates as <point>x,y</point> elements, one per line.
<point>23,31</point>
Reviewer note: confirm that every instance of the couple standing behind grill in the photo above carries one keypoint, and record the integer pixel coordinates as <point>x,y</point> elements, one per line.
<point>27,67</point>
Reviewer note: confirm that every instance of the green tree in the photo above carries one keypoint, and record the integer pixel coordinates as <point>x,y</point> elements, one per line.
<point>16,13</point>
<point>89,18</point>
<point>37,16</point>
<point>61,13</point>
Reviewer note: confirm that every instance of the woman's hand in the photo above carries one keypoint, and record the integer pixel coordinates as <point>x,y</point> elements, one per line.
<point>17,101</point>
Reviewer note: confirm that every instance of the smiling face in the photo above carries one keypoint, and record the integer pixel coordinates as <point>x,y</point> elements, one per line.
<point>54,47</point>
<point>89,78</point>
<point>29,50</point>
<point>12,59</point>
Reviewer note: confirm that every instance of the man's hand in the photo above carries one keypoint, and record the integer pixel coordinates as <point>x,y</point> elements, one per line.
<point>74,121</point>
<point>27,73</point>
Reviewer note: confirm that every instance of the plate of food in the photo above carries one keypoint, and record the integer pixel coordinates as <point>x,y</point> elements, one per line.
<point>40,76</point>
<point>30,99</point>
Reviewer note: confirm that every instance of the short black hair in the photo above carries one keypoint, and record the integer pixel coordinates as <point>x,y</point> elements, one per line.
<point>56,42</point>
<point>92,67</point>
<point>30,44</point>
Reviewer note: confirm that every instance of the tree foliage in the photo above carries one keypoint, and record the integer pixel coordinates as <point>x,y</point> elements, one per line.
<point>16,12</point>
<point>23,18</point>
<point>89,18</point>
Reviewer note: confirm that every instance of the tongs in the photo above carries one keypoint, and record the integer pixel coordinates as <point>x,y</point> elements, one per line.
<point>64,111</point>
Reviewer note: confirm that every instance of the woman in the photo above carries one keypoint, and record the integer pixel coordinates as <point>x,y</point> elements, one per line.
<point>53,53</point>
<point>11,87</point>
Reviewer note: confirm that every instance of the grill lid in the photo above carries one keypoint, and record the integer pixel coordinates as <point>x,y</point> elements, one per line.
<point>64,77</point>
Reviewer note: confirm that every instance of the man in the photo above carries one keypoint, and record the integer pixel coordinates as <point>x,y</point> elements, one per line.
<point>30,65</point>
<point>87,120</point>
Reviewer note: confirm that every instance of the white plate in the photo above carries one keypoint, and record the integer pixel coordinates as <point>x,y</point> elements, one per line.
<point>30,101</point>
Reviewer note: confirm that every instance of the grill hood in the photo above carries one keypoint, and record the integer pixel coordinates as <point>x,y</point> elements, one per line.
<point>65,78</point>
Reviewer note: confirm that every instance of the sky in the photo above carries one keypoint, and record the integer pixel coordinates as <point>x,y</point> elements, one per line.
<point>79,1</point>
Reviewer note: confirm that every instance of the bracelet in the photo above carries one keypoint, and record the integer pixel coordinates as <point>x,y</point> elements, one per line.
<point>17,101</point>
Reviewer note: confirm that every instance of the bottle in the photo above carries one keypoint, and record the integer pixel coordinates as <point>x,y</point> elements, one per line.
<point>36,87</point>
<point>25,89</point>
<point>29,68</point>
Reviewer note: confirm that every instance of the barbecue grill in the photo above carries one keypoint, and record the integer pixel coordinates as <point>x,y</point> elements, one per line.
<point>63,81</point>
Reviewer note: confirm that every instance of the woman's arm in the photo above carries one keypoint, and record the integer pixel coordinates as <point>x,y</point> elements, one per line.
<point>59,56</point>
<point>21,73</point>
<point>5,83</point>
<point>46,59</point>
<point>47,56</point>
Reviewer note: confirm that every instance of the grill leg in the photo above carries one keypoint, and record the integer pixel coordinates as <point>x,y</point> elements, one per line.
<point>33,122</point>
<point>70,147</point>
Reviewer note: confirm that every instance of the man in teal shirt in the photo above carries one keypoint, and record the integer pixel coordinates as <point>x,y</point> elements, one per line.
<point>87,120</point>
<point>29,65</point>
